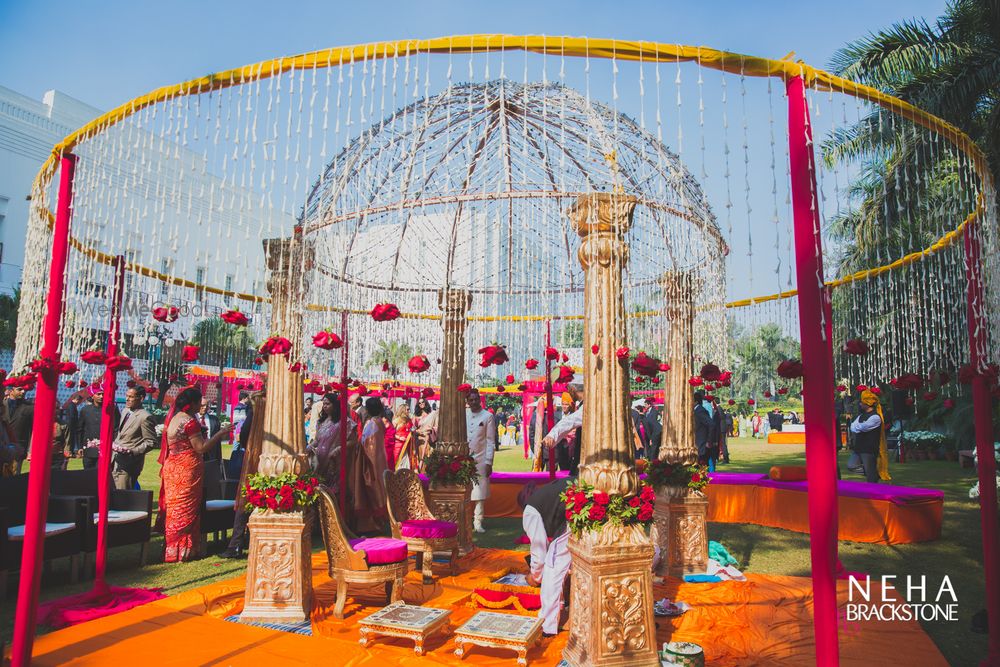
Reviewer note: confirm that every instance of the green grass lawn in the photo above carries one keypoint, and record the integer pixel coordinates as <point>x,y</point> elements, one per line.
<point>764,550</point>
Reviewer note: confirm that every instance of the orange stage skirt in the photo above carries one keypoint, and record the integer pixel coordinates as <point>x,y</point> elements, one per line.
<point>783,438</point>
<point>871,520</point>
<point>765,620</point>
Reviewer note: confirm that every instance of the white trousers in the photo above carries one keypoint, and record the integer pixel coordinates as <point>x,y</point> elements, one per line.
<point>478,513</point>
<point>550,560</point>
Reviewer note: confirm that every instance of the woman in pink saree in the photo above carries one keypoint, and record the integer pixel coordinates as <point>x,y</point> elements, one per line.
<point>367,463</point>
<point>326,445</point>
<point>182,475</point>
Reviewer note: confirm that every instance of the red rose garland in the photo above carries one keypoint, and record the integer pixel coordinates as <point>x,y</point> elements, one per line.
<point>235,317</point>
<point>327,340</point>
<point>790,369</point>
<point>385,312</point>
<point>418,363</point>
<point>492,355</point>
<point>531,364</point>
<point>95,357</point>
<point>166,314</point>
<point>190,353</point>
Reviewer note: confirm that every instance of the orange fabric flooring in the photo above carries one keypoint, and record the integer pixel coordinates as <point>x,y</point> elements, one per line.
<point>765,620</point>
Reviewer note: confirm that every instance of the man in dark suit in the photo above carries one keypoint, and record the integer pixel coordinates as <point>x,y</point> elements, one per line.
<point>89,426</point>
<point>71,420</point>
<point>136,436</point>
<point>18,413</point>
<point>210,425</point>
<point>654,430</point>
<point>706,432</point>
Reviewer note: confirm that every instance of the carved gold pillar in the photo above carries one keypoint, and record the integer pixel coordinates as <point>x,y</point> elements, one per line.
<point>279,571</point>
<point>677,442</point>
<point>452,502</point>
<point>611,596</point>
<point>680,514</point>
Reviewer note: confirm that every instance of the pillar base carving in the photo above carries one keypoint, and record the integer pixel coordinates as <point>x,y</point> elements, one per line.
<point>611,599</point>
<point>680,517</point>
<point>279,567</point>
<point>451,502</point>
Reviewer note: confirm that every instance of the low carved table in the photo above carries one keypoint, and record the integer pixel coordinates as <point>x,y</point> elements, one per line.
<point>489,628</point>
<point>406,621</point>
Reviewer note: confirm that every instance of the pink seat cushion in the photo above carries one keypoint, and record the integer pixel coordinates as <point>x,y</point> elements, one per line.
<point>428,528</point>
<point>380,550</point>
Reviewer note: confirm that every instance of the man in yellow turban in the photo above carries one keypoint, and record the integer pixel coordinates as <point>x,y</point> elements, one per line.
<point>869,438</point>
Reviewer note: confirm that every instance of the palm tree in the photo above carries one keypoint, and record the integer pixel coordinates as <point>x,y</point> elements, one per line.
<point>755,356</point>
<point>392,355</point>
<point>9,305</point>
<point>224,344</point>
<point>950,69</point>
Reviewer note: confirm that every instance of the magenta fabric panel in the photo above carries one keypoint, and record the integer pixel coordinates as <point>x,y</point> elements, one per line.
<point>736,478</point>
<point>381,550</point>
<point>514,477</point>
<point>851,489</point>
<point>428,529</point>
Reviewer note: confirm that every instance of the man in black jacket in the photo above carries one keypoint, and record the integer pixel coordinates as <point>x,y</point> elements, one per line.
<point>89,426</point>
<point>706,431</point>
<point>544,517</point>
<point>18,414</point>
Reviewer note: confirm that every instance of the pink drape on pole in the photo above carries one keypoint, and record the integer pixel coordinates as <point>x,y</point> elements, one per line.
<point>41,430</point>
<point>108,429</point>
<point>550,418</point>
<point>821,452</point>
<point>345,415</point>
<point>982,407</point>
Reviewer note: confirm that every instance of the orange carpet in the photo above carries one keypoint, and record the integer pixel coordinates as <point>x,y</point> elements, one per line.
<point>763,621</point>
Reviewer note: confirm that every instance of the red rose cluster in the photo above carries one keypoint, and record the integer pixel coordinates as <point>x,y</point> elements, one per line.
<point>283,498</point>
<point>385,312</point>
<point>235,317</point>
<point>166,314</point>
<point>327,340</point>
<point>492,355</point>
<point>276,345</point>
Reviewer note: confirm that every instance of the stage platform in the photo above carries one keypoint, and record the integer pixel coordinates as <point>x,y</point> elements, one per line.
<point>765,620</point>
<point>873,513</point>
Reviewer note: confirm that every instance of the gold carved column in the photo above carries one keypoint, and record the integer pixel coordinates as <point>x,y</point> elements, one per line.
<point>680,513</point>
<point>611,594</point>
<point>452,502</point>
<point>279,570</point>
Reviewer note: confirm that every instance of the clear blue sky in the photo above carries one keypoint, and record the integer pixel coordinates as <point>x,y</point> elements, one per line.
<point>109,51</point>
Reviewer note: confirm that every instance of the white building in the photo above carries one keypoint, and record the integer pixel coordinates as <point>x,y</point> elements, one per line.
<point>28,130</point>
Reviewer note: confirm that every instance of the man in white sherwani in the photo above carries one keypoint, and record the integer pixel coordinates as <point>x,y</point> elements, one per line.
<point>482,432</point>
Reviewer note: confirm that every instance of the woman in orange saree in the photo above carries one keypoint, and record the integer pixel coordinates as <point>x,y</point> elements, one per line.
<point>182,475</point>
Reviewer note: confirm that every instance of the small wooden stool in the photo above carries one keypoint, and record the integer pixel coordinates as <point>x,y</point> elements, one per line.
<point>494,630</point>
<point>404,620</point>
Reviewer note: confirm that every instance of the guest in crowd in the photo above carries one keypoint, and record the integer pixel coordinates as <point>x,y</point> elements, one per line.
<point>366,468</point>
<point>390,437</point>
<point>571,422</point>
<point>210,425</point>
<point>17,417</point>
<point>404,453</point>
<point>71,419</point>
<point>775,420</point>
<point>90,426</point>
<point>423,407</point>
<point>136,436</point>
<point>654,430</point>
<point>544,522</point>
<point>182,474</point>
<point>326,445</point>
<point>706,432</point>
<point>251,438</point>
<point>639,430</point>
<point>869,438</point>
<point>61,451</point>
<point>725,429</point>
<point>427,434</point>
<point>482,432</point>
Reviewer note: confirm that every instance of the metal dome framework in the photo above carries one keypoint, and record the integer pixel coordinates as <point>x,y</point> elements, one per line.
<point>508,156</point>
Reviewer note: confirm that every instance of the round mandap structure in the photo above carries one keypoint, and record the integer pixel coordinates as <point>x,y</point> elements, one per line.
<point>455,179</point>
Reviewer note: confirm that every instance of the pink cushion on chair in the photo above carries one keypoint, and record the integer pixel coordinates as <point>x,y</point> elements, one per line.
<point>428,528</point>
<point>380,550</point>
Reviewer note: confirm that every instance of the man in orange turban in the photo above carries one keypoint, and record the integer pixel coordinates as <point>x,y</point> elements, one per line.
<point>869,438</point>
